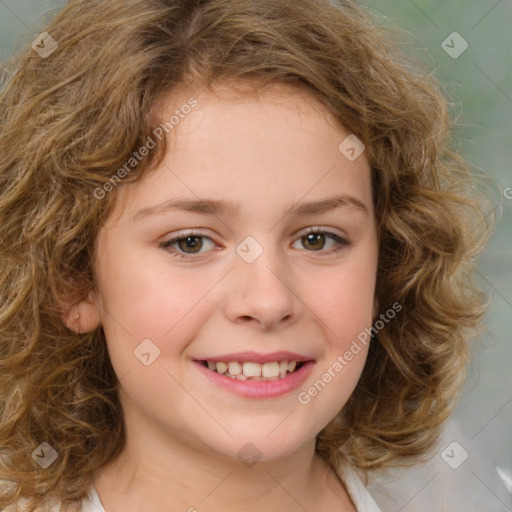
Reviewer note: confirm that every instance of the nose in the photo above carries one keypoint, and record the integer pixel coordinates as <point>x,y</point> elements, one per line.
<point>262,292</point>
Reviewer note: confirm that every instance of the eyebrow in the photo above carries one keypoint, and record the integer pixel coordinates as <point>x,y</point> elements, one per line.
<point>209,206</point>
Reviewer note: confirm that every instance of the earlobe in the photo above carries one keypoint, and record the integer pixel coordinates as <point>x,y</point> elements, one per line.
<point>84,316</point>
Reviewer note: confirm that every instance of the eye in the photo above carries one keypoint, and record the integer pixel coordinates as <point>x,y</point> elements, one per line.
<point>316,240</point>
<point>185,245</point>
<point>188,244</point>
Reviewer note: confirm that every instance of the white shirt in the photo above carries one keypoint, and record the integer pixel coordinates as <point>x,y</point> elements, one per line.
<point>362,499</point>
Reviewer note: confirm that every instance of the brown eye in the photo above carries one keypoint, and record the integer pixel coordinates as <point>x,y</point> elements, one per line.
<point>315,241</point>
<point>190,244</point>
<point>318,241</point>
<point>187,245</point>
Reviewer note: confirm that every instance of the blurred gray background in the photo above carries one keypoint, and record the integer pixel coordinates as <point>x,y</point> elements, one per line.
<point>472,468</point>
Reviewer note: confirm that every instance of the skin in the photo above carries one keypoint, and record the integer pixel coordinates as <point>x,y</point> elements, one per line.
<point>269,152</point>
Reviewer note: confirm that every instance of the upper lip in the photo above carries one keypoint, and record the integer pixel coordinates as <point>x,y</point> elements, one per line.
<point>257,357</point>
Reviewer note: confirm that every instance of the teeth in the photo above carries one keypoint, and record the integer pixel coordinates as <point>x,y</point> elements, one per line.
<point>253,371</point>
<point>270,370</point>
<point>221,367</point>
<point>235,368</point>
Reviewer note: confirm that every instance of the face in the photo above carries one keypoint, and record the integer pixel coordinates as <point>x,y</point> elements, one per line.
<point>264,279</point>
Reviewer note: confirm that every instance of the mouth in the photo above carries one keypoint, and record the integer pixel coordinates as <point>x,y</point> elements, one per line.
<point>254,371</point>
<point>257,380</point>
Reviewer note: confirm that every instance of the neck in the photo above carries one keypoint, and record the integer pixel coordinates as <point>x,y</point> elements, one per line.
<point>159,473</point>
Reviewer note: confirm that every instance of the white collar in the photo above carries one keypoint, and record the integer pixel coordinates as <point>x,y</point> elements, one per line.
<point>355,487</point>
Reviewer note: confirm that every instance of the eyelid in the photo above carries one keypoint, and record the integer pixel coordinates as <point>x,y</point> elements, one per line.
<point>310,229</point>
<point>184,233</point>
<point>318,229</point>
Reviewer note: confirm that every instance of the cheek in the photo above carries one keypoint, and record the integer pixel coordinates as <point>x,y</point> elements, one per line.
<point>147,300</point>
<point>343,299</point>
<point>137,291</point>
<point>150,317</point>
<point>344,307</point>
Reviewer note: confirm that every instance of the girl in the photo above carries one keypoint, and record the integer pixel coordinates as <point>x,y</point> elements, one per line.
<point>236,259</point>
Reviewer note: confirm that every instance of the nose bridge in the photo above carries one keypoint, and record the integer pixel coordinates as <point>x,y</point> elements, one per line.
<point>262,284</point>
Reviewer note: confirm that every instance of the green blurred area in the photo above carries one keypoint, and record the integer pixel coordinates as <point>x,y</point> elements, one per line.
<point>479,82</point>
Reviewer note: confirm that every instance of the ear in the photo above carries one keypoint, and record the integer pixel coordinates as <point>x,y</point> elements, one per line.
<point>84,316</point>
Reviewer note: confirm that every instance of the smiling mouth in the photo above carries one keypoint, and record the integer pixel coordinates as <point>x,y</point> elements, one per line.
<point>248,370</point>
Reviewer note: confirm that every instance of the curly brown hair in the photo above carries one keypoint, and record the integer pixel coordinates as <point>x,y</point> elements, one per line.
<point>70,119</point>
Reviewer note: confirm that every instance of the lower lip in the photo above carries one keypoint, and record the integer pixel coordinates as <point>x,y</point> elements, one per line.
<point>259,388</point>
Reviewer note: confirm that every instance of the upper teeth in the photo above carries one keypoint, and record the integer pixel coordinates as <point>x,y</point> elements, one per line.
<point>253,370</point>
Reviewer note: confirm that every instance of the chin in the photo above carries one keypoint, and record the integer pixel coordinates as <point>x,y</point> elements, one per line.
<point>260,443</point>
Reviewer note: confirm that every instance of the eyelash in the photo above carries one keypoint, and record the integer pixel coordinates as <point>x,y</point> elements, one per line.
<point>167,245</point>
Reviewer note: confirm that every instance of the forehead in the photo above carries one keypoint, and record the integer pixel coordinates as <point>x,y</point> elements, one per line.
<point>238,95</point>
<point>240,138</point>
